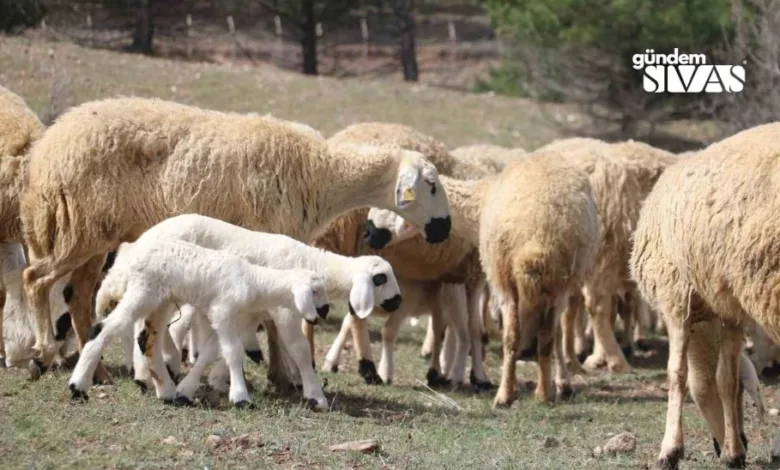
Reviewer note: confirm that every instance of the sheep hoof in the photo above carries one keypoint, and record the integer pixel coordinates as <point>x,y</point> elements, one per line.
<point>312,404</point>
<point>628,351</point>
<point>480,385</point>
<point>76,394</point>
<point>502,402</point>
<point>182,400</point>
<point>367,370</point>
<point>744,440</point>
<point>256,356</point>
<point>435,379</point>
<point>334,368</point>
<point>141,385</point>
<point>185,353</point>
<point>244,404</point>
<point>566,392</point>
<point>775,448</point>
<point>582,357</point>
<point>35,368</point>
<point>737,461</point>
<point>2,363</point>
<point>426,355</point>
<point>671,460</point>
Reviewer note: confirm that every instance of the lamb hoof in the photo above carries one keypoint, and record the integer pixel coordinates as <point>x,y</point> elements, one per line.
<point>244,405</point>
<point>367,370</point>
<point>185,353</point>
<point>311,404</point>
<point>628,351</point>
<point>2,363</point>
<point>334,368</point>
<point>670,461</point>
<point>76,394</point>
<point>582,357</point>
<point>426,355</point>
<point>716,446</point>
<point>182,400</point>
<point>256,356</point>
<point>141,385</point>
<point>743,437</point>
<point>435,379</point>
<point>502,402</point>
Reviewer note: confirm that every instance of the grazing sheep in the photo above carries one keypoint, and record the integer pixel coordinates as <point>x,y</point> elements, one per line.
<point>150,275</point>
<point>705,248</point>
<point>414,260</point>
<point>620,175</point>
<point>365,281</point>
<point>536,227</point>
<point>173,159</point>
<point>19,126</point>
<point>17,320</point>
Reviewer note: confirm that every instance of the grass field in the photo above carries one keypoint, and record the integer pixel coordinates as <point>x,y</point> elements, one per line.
<point>119,428</point>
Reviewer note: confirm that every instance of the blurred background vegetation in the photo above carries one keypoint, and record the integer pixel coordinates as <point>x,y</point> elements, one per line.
<point>554,51</point>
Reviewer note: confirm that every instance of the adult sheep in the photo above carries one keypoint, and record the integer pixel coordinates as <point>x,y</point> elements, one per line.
<point>414,260</point>
<point>706,248</point>
<point>108,170</point>
<point>19,126</point>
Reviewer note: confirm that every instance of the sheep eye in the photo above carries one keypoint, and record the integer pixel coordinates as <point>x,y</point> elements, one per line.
<point>379,279</point>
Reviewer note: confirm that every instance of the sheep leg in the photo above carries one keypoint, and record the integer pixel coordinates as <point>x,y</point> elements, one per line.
<point>190,383</point>
<point>459,329</point>
<point>141,376</point>
<point>295,343</point>
<point>219,377</point>
<point>331,363</point>
<point>511,337</point>
<point>733,452</point>
<point>308,331</point>
<point>545,389</point>
<point>83,280</point>
<point>152,346</point>
<point>362,342</point>
<point>569,325</point>
<point>2,337</point>
<point>434,376</point>
<point>478,378</point>
<point>128,345</point>
<point>171,355</point>
<point>562,374</point>
<point>626,308</point>
<point>606,348</point>
<point>581,324</point>
<point>179,328</point>
<point>672,447</point>
<point>702,361</point>
<point>132,307</point>
<point>428,343</point>
<point>389,334</point>
<point>448,344</point>
<point>38,279</point>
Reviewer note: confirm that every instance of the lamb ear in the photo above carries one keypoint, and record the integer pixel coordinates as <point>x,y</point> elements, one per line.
<point>404,191</point>
<point>304,302</point>
<point>361,297</point>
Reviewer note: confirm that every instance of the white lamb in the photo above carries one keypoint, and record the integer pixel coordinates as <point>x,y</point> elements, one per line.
<point>149,276</point>
<point>365,281</point>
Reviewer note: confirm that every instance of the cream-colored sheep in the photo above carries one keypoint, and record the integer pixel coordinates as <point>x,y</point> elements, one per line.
<point>706,248</point>
<point>620,175</point>
<point>19,126</point>
<point>452,261</point>
<point>536,226</point>
<point>481,160</point>
<point>147,159</point>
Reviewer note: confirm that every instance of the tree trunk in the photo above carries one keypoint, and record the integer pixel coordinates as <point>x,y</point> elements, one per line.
<point>407,27</point>
<point>309,38</point>
<point>144,27</point>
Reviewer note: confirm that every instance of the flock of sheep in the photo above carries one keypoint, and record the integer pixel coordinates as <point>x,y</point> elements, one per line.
<point>219,225</point>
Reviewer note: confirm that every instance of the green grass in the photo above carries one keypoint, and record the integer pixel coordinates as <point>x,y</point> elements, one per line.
<point>119,428</point>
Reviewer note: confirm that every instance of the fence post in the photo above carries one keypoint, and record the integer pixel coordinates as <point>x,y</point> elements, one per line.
<point>453,37</point>
<point>90,38</point>
<point>279,41</point>
<point>364,33</point>
<point>232,30</point>
<point>188,21</point>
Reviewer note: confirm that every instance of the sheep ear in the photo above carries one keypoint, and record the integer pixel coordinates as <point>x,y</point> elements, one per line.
<point>361,297</point>
<point>304,301</point>
<point>404,191</point>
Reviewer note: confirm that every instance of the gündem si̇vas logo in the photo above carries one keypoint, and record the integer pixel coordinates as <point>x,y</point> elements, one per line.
<point>687,73</point>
